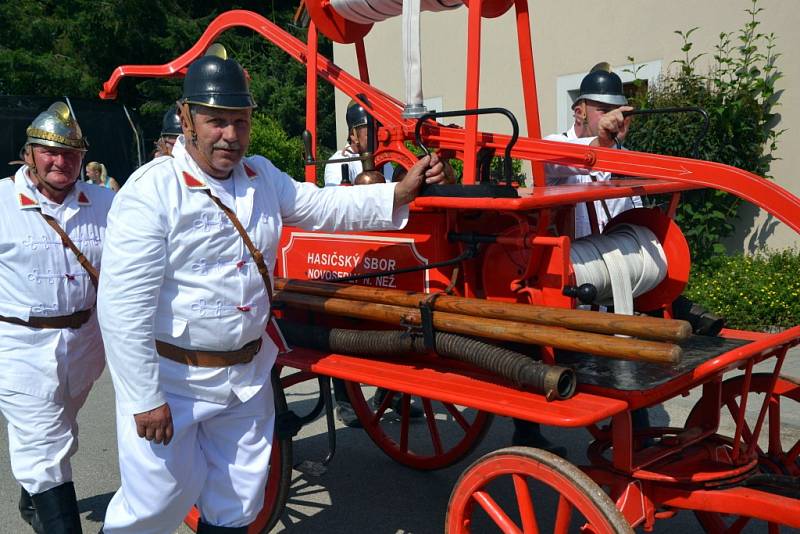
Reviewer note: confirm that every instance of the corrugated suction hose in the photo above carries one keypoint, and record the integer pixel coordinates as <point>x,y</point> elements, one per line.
<point>554,382</point>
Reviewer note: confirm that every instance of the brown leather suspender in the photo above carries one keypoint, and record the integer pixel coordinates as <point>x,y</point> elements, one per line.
<point>94,275</point>
<point>83,260</point>
<point>258,257</point>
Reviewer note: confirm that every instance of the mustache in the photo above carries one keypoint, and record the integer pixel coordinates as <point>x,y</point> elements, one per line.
<point>227,146</point>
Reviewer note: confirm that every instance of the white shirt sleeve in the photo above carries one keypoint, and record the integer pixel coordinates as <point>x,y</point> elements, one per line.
<point>333,174</point>
<point>361,207</point>
<point>134,260</point>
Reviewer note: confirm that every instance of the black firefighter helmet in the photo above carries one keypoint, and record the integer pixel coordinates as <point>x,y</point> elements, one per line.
<point>171,123</point>
<point>356,114</point>
<point>602,85</point>
<point>217,82</point>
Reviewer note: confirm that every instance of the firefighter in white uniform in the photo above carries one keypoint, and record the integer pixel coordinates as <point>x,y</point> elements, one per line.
<point>598,121</point>
<point>183,307</point>
<point>358,124</point>
<point>50,345</point>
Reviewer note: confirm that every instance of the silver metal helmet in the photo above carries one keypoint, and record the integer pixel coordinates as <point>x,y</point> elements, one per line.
<point>56,127</point>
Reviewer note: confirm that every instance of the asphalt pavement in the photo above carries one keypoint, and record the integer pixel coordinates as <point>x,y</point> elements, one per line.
<point>361,490</point>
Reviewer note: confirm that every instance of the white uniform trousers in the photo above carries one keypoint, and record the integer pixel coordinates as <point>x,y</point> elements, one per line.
<point>42,437</point>
<point>218,459</point>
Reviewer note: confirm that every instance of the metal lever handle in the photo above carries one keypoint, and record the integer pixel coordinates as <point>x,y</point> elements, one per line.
<point>308,160</point>
<point>507,168</point>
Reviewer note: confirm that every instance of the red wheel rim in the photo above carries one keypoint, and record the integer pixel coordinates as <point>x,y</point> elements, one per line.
<point>577,496</point>
<point>780,454</point>
<point>780,457</point>
<point>425,444</point>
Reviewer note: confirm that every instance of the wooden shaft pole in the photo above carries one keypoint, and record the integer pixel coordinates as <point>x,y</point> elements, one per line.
<point>502,330</point>
<point>590,321</point>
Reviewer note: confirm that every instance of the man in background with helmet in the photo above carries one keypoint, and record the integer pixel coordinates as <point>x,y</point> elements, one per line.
<point>170,130</point>
<point>185,300</point>
<point>52,229</point>
<point>599,121</point>
<point>358,126</point>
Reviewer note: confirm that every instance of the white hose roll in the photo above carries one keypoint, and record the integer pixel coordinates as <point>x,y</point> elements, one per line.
<point>412,56</point>
<point>369,11</point>
<point>622,264</point>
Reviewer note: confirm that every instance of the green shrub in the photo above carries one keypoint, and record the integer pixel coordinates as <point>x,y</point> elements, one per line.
<point>739,95</point>
<point>268,139</point>
<point>751,292</point>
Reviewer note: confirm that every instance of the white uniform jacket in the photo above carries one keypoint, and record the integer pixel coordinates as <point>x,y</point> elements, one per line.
<point>42,278</point>
<point>563,174</point>
<point>333,171</point>
<point>175,269</point>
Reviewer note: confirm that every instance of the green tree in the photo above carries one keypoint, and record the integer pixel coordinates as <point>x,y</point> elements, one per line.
<point>269,139</point>
<point>740,97</point>
<point>53,48</point>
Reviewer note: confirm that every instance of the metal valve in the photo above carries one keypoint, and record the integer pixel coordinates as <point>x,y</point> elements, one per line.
<point>586,293</point>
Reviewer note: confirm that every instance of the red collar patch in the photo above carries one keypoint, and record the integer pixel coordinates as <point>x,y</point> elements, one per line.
<point>250,172</point>
<point>83,200</point>
<point>26,201</point>
<point>191,181</point>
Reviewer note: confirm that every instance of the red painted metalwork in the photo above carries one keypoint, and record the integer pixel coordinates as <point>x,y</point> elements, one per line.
<point>333,25</point>
<point>529,262</point>
<point>471,98</point>
<point>781,455</point>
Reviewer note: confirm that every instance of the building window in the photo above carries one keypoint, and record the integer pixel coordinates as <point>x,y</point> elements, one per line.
<point>568,88</point>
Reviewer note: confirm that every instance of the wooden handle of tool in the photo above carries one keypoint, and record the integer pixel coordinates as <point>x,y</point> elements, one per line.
<point>497,329</point>
<point>589,321</point>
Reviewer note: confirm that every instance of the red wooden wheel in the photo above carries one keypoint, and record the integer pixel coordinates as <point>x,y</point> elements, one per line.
<point>442,436</point>
<point>278,483</point>
<point>778,451</point>
<point>513,490</point>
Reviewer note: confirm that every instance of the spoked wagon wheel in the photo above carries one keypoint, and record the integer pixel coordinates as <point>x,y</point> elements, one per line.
<point>443,435</point>
<point>778,450</point>
<point>526,490</point>
<point>278,482</point>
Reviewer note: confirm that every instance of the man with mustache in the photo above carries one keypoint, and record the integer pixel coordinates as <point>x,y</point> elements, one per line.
<point>52,228</point>
<point>185,300</point>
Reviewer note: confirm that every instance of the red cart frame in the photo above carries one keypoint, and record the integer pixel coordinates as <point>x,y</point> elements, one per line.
<point>647,474</point>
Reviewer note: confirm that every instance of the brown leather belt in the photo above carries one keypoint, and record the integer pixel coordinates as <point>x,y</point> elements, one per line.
<point>208,358</point>
<point>75,320</point>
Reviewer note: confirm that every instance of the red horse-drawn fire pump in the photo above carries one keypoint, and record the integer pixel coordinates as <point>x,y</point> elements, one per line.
<point>450,309</point>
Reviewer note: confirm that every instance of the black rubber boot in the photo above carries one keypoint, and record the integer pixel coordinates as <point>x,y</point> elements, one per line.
<point>528,434</point>
<point>57,510</point>
<point>414,411</point>
<point>205,528</point>
<point>26,509</point>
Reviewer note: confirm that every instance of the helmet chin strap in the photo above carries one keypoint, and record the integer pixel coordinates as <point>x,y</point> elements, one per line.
<point>186,114</point>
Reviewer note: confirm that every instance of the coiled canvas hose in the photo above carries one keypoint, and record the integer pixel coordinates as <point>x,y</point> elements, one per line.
<point>554,382</point>
<point>622,264</point>
<point>369,11</point>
